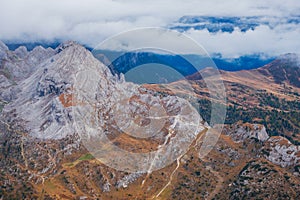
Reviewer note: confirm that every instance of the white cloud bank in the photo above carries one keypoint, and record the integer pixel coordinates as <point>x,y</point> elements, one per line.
<point>276,41</point>
<point>91,21</point>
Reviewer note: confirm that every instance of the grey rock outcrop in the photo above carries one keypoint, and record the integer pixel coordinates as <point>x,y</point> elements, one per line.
<point>39,95</point>
<point>240,132</point>
<point>16,66</point>
<point>3,50</point>
<point>20,64</point>
<point>282,152</point>
<point>21,52</point>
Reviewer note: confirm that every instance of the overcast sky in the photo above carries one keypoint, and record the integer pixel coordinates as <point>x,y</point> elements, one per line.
<point>91,21</point>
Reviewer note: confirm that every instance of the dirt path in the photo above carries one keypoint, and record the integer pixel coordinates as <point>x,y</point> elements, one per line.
<point>22,152</point>
<point>170,179</point>
<point>178,165</point>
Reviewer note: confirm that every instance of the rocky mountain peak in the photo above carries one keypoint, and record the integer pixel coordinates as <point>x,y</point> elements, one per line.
<point>21,63</point>
<point>3,46</point>
<point>67,44</point>
<point>21,52</point>
<point>45,93</point>
<point>3,50</point>
<point>39,53</point>
<point>48,95</point>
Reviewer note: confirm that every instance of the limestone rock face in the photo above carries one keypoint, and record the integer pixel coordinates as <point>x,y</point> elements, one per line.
<point>240,132</point>
<point>4,82</point>
<point>19,64</point>
<point>47,95</point>
<point>21,52</point>
<point>16,66</point>
<point>282,152</point>
<point>3,50</point>
<point>276,149</point>
<point>39,96</point>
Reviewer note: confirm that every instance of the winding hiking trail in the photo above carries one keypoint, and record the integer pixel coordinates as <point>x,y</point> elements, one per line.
<point>178,165</point>
<point>170,179</point>
<point>22,151</point>
<point>220,180</point>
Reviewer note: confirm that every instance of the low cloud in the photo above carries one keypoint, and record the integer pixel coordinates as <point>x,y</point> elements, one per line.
<point>263,39</point>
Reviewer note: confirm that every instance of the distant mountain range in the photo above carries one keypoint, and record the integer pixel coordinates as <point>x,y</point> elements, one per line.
<point>182,63</point>
<point>228,24</point>
<point>250,61</point>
